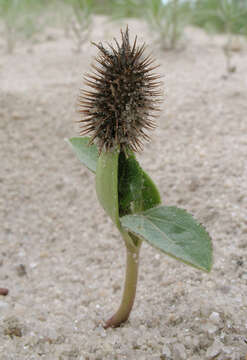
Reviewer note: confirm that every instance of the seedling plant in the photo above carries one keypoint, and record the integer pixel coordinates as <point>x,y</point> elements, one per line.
<point>10,16</point>
<point>168,21</point>
<point>228,16</point>
<point>20,19</point>
<point>80,20</point>
<point>117,111</point>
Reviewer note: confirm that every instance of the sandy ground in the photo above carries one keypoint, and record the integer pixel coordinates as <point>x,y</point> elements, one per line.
<point>60,256</point>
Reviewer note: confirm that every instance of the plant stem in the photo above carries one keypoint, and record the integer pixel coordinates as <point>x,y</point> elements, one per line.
<point>227,50</point>
<point>128,297</point>
<point>174,24</point>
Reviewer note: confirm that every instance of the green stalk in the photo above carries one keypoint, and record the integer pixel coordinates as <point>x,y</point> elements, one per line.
<point>129,291</point>
<point>174,24</point>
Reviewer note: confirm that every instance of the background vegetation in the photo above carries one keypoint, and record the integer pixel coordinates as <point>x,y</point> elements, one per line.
<point>23,19</point>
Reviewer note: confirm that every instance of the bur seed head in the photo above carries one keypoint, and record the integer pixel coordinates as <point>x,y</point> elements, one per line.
<point>122,98</point>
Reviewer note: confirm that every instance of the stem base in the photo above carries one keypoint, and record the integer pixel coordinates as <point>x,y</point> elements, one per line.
<point>129,291</point>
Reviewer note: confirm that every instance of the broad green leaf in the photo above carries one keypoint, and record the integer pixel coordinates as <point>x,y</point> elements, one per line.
<point>175,232</point>
<point>107,183</point>
<point>136,190</point>
<point>87,154</point>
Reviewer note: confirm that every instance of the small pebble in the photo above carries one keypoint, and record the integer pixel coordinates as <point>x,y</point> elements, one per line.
<point>179,352</point>
<point>4,291</point>
<point>214,350</point>
<point>194,184</point>
<point>16,116</point>
<point>3,306</point>
<point>215,317</point>
<point>20,309</point>
<point>21,270</point>
<point>209,328</point>
<point>166,352</point>
<point>244,276</point>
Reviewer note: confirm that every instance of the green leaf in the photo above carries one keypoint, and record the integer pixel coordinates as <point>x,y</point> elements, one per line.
<point>130,183</point>
<point>136,190</point>
<point>87,154</point>
<point>107,183</point>
<point>150,193</point>
<point>175,232</point>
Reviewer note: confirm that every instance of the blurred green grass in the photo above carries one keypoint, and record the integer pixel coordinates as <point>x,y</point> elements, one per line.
<point>23,19</point>
<point>221,15</point>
